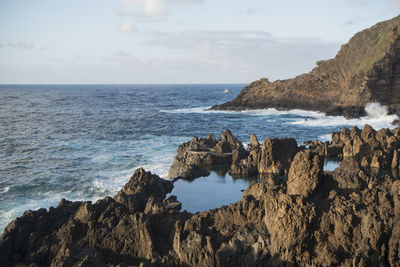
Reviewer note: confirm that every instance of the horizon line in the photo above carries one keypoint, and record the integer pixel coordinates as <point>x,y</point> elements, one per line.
<point>122,83</point>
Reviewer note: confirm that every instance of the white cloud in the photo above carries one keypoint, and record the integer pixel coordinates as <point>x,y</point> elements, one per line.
<point>390,3</point>
<point>358,2</point>
<point>151,8</point>
<point>245,55</point>
<point>118,53</point>
<point>127,26</point>
<point>23,43</point>
<point>394,3</point>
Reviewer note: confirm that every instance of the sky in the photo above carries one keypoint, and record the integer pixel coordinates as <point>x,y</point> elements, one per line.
<point>175,41</point>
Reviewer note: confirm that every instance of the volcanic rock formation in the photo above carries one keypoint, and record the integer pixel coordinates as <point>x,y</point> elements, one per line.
<point>316,218</point>
<point>196,157</point>
<point>366,69</point>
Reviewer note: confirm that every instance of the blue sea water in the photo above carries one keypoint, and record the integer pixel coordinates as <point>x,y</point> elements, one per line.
<point>82,142</point>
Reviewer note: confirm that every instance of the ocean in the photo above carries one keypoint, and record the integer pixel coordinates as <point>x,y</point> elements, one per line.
<point>82,142</point>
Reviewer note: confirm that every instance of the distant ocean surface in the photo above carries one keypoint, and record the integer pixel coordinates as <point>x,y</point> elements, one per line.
<point>82,142</point>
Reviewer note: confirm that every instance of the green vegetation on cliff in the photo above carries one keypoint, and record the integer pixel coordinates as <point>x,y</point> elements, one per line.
<point>365,69</point>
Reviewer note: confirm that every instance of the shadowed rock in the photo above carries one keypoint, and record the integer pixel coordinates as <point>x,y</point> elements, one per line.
<point>305,174</point>
<point>348,217</point>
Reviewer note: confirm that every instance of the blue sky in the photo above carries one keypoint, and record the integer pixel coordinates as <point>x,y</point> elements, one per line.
<point>175,41</point>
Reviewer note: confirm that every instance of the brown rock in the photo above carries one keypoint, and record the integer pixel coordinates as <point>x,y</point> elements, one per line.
<point>304,174</point>
<point>352,218</point>
<point>276,155</point>
<point>254,144</point>
<point>195,157</point>
<point>366,69</point>
<point>367,133</point>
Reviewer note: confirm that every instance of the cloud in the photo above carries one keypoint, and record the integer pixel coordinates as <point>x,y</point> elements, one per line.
<point>23,43</point>
<point>151,8</point>
<point>350,23</point>
<point>244,55</point>
<point>358,2</point>
<point>127,27</point>
<point>252,11</point>
<point>118,53</point>
<point>389,3</point>
<point>394,3</point>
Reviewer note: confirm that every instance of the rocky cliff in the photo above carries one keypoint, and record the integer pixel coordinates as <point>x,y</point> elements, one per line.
<point>366,69</point>
<point>348,217</point>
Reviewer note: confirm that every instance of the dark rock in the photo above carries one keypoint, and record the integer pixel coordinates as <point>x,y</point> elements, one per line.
<point>276,155</point>
<point>305,174</point>
<point>195,157</point>
<point>347,217</point>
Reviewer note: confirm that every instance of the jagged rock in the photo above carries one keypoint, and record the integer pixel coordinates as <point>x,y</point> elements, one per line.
<point>187,171</point>
<point>349,175</point>
<point>366,69</point>
<point>254,144</point>
<point>276,155</point>
<point>395,160</point>
<point>195,157</point>
<point>375,149</point>
<point>317,147</point>
<point>368,133</point>
<point>343,218</point>
<point>305,174</point>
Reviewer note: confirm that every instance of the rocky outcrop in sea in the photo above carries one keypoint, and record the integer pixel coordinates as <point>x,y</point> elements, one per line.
<point>348,217</point>
<point>366,69</point>
<point>196,157</point>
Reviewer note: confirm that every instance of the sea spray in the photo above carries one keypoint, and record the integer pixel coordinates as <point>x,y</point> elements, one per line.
<point>376,110</point>
<point>377,116</point>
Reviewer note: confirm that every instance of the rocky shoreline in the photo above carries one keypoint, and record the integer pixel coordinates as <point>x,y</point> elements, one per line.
<point>365,70</point>
<point>347,217</point>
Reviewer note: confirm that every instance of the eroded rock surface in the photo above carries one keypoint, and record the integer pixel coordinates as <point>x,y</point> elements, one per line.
<point>349,217</point>
<point>305,174</point>
<point>376,149</point>
<point>195,157</point>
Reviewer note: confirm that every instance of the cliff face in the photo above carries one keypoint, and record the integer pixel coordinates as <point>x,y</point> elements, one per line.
<point>365,69</point>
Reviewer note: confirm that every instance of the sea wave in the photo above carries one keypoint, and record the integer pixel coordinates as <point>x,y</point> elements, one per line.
<point>325,137</point>
<point>49,199</point>
<point>5,190</point>
<point>253,112</point>
<point>377,116</point>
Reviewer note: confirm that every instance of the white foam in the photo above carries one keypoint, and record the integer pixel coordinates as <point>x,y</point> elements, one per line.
<point>377,117</point>
<point>5,190</point>
<point>48,200</point>
<point>253,112</point>
<point>325,137</point>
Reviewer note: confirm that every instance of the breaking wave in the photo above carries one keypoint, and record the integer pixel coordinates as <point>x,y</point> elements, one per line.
<point>377,116</point>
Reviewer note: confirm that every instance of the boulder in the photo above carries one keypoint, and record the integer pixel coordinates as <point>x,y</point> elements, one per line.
<point>305,174</point>
<point>195,157</point>
<point>276,155</point>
